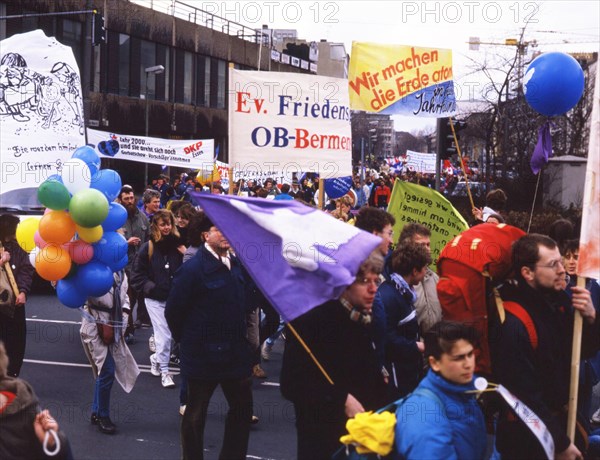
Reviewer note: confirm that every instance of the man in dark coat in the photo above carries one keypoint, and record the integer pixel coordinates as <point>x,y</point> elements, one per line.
<point>537,371</point>
<point>338,334</point>
<point>206,312</point>
<point>13,329</point>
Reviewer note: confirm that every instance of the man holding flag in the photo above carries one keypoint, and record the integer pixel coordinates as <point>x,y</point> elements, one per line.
<point>531,349</point>
<point>206,312</point>
<point>338,333</point>
<point>300,272</point>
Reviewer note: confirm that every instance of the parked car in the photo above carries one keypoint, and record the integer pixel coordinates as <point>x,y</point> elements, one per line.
<point>460,189</point>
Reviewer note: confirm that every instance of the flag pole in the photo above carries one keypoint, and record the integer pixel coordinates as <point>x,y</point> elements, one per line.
<point>462,165</point>
<point>575,363</point>
<point>321,193</point>
<point>310,353</point>
<point>589,244</point>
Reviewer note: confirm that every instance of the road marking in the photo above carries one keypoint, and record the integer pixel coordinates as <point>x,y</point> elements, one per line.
<point>142,367</point>
<point>53,321</point>
<point>270,384</point>
<point>55,363</point>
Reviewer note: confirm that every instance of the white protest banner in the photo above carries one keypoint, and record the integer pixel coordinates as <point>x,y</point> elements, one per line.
<point>289,122</point>
<point>197,153</point>
<point>41,111</point>
<point>420,162</point>
<point>531,420</point>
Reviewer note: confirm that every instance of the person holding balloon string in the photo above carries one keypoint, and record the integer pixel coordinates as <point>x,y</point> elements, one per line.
<point>152,274</point>
<point>103,324</point>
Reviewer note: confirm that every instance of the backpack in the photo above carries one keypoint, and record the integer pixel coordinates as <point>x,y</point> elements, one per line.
<point>470,266</point>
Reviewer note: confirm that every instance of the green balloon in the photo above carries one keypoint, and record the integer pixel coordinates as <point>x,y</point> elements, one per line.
<point>88,208</point>
<point>54,195</point>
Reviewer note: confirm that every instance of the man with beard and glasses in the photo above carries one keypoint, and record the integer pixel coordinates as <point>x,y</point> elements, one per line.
<point>531,348</point>
<point>136,231</point>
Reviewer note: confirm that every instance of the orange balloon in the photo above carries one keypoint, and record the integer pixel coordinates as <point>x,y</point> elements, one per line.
<point>90,234</point>
<point>53,262</point>
<point>57,227</point>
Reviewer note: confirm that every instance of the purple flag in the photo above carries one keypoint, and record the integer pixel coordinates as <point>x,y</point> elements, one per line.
<point>299,256</point>
<point>543,148</point>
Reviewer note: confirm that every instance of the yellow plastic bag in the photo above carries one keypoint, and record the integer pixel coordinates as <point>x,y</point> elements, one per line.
<point>371,432</point>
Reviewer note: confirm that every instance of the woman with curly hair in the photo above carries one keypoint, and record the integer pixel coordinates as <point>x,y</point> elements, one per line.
<point>152,274</point>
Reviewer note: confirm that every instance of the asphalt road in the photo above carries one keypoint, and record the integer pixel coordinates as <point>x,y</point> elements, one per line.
<point>148,418</point>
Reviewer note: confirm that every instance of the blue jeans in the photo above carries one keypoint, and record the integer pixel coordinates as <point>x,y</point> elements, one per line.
<point>271,340</point>
<point>594,440</point>
<point>104,382</point>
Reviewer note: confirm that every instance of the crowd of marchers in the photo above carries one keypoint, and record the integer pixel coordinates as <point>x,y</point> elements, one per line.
<point>384,339</point>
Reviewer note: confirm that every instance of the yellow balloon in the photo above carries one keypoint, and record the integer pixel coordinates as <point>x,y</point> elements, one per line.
<point>25,233</point>
<point>91,234</point>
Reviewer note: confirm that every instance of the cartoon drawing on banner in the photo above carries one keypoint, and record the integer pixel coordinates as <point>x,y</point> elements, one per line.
<point>41,114</point>
<point>50,102</point>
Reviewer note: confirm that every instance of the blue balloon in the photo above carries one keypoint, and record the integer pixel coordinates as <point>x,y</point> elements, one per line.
<point>117,216</point>
<point>69,294</point>
<point>94,278</point>
<point>338,187</point>
<point>119,265</point>
<point>111,248</point>
<point>553,84</point>
<point>89,156</point>
<point>108,182</point>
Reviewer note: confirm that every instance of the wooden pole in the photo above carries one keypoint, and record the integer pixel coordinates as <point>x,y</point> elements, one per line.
<point>9,273</point>
<point>575,363</point>
<point>316,361</point>
<point>321,193</point>
<point>462,165</point>
<point>231,184</point>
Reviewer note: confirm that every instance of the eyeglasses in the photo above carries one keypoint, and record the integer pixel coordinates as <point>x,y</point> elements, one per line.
<point>554,265</point>
<point>366,281</point>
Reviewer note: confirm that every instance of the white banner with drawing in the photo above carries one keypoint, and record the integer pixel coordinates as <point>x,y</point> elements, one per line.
<point>41,112</point>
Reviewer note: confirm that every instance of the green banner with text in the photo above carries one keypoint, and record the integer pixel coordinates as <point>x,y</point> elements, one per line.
<point>415,203</point>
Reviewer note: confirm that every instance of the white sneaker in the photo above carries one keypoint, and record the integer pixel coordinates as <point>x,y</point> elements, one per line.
<point>154,366</point>
<point>265,351</point>
<point>596,417</point>
<point>167,381</point>
<point>151,344</point>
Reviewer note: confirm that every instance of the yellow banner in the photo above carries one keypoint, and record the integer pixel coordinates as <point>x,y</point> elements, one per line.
<point>397,79</point>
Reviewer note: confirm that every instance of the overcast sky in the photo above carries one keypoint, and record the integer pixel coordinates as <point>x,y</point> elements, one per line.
<point>567,26</point>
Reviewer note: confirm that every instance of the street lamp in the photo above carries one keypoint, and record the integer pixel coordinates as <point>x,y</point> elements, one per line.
<point>154,70</point>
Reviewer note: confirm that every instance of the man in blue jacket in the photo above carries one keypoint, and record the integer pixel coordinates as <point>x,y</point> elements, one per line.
<point>206,312</point>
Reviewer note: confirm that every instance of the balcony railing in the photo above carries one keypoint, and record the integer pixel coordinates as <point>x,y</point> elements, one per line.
<point>203,18</point>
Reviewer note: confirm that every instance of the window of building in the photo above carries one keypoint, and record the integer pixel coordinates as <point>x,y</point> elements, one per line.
<point>124,56</point>
<point>2,23</point>
<point>72,36</point>
<point>147,59</point>
<point>221,83</point>
<point>184,76</point>
<point>203,81</point>
<point>188,77</point>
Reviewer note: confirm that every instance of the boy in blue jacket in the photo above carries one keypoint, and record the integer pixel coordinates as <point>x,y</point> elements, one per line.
<point>441,418</point>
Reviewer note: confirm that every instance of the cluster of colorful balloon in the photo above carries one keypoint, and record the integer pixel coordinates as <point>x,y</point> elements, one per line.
<point>76,243</point>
